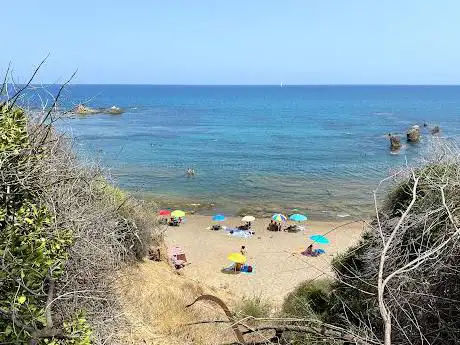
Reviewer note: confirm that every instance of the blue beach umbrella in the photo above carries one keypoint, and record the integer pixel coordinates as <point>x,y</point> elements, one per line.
<point>319,239</point>
<point>298,217</point>
<point>218,217</point>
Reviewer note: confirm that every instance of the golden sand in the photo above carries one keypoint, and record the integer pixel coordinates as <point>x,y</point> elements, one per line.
<point>278,265</point>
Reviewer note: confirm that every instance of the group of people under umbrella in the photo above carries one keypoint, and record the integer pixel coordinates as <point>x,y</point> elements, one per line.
<point>278,221</point>
<point>172,218</point>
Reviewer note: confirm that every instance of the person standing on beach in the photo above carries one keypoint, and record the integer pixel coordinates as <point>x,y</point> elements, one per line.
<point>243,250</point>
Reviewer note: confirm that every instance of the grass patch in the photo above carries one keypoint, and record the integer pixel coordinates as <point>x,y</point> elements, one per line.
<point>255,306</point>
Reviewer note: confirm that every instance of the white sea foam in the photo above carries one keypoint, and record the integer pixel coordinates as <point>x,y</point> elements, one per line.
<point>343,215</point>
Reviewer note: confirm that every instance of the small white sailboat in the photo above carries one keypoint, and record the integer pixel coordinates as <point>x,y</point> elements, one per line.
<point>281,84</point>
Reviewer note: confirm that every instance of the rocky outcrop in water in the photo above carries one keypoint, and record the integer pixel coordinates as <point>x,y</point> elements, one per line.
<point>84,110</point>
<point>395,143</point>
<point>413,134</point>
<point>114,111</point>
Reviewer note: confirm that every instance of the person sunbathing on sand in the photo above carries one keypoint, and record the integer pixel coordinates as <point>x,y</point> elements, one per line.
<point>308,251</point>
<point>312,252</point>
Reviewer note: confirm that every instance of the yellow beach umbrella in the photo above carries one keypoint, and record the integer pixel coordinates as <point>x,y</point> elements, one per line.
<point>237,257</point>
<point>177,213</point>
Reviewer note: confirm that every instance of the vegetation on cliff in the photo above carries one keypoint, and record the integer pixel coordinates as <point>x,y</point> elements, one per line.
<point>64,233</point>
<point>400,283</point>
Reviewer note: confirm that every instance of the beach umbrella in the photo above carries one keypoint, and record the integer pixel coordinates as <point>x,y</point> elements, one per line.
<point>298,217</point>
<point>237,257</point>
<point>248,219</point>
<point>319,239</point>
<point>279,217</point>
<point>218,217</point>
<point>165,212</point>
<point>177,213</point>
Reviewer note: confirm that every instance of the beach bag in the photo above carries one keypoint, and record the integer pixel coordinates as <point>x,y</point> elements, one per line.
<point>249,269</point>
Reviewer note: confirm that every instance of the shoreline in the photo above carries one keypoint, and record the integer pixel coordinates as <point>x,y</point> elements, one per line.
<point>264,209</point>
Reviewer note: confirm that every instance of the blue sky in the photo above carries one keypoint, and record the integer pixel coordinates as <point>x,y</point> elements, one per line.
<point>235,42</point>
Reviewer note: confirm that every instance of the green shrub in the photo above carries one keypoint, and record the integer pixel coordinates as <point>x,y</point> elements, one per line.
<point>424,295</point>
<point>63,229</point>
<point>255,306</point>
<point>309,299</point>
<point>13,125</point>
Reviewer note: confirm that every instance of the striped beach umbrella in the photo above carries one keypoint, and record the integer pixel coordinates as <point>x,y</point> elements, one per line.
<point>298,217</point>
<point>279,217</point>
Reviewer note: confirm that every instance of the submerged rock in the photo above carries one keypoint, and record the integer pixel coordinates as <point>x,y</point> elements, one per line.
<point>413,134</point>
<point>435,130</point>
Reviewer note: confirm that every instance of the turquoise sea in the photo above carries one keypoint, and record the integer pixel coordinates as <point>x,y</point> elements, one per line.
<point>318,149</point>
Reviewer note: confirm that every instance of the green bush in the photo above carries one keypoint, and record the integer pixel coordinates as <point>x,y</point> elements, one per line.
<point>13,125</point>
<point>425,295</point>
<point>309,299</point>
<point>33,252</point>
<point>255,306</point>
<point>63,229</point>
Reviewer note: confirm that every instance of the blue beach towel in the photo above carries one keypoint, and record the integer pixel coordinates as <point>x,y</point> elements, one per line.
<point>244,269</point>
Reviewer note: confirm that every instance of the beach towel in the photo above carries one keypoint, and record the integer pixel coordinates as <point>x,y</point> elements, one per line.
<point>239,233</point>
<point>247,269</point>
<point>232,229</point>
<point>316,252</point>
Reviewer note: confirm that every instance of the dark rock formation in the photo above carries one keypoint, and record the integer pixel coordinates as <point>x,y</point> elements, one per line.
<point>395,143</point>
<point>413,134</point>
<point>435,130</point>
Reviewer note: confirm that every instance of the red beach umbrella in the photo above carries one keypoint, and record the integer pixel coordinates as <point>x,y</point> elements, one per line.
<point>165,212</point>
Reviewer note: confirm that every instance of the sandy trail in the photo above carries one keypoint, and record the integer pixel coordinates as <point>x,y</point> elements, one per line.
<point>278,265</point>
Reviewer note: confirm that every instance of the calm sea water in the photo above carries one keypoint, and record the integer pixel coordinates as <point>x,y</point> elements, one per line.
<point>318,149</point>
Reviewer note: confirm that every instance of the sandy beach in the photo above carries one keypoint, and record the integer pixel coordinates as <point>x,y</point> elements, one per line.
<point>278,265</point>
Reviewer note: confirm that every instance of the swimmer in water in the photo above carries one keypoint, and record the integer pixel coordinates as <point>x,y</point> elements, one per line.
<point>190,172</point>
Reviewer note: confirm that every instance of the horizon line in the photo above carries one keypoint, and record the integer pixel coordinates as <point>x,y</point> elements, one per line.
<point>249,85</point>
